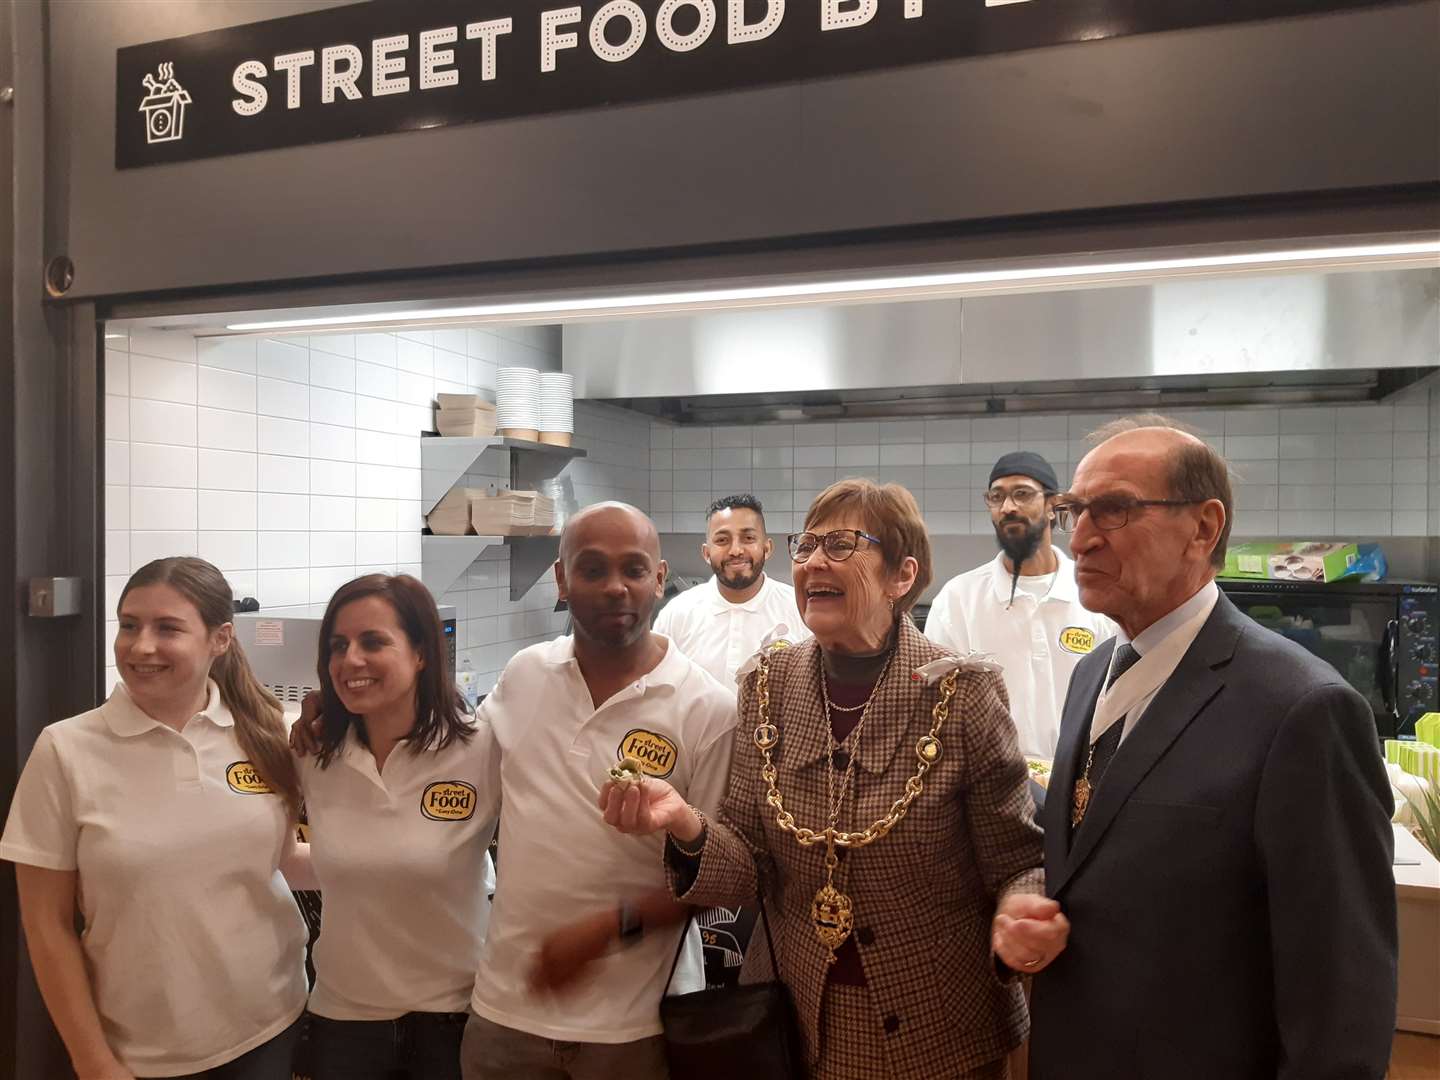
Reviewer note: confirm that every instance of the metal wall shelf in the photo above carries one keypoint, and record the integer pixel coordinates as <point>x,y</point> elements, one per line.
<point>443,462</point>
<point>444,558</point>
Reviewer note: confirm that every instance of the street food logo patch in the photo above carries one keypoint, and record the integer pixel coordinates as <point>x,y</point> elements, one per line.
<point>448,800</point>
<point>657,754</point>
<point>1077,639</point>
<point>243,778</point>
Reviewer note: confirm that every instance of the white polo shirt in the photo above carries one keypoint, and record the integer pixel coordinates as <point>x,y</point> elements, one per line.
<point>1038,640</point>
<point>405,875</point>
<point>560,862</point>
<point>719,635</point>
<point>193,943</point>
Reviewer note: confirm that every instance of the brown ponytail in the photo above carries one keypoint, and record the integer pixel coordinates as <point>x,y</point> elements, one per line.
<point>259,718</point>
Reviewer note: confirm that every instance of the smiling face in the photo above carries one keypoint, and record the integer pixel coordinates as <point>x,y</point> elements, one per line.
<point>610,574</point>
<point>846,604</point>
<point>372,663</point>
<point>1160,558</point>
<point>163,650</point>
<point>736,547</point>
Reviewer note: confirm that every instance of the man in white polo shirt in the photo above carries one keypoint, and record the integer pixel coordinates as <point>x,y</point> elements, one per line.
<point>1023,606</point>
<point>583,932</point>
<point>720,624</point>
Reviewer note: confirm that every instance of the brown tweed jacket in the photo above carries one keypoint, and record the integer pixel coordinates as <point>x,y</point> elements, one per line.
<point>925,894</point>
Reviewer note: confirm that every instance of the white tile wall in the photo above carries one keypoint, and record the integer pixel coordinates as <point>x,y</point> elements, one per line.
<point>294,464</point>
<point>1367,471</point>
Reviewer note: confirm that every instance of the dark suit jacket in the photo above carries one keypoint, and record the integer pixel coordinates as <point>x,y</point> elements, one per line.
<point>1230,891</point>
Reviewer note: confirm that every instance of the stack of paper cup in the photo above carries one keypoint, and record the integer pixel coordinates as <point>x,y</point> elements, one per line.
<point>557,407</point>
<point>517,402</point>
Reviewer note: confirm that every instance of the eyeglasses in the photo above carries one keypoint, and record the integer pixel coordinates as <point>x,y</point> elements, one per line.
<point>839,545</point>
<point>1107,512</point>
<point>1021,497</point>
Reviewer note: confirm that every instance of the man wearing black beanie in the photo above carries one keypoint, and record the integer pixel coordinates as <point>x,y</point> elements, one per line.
<point>1023,606</point>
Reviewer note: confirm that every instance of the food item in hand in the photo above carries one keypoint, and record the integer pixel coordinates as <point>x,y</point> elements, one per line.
<point>629,771</point>
<point>1039,771</point>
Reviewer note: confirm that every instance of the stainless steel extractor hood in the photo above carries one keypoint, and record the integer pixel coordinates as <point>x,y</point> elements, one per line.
<point>1282,339</point>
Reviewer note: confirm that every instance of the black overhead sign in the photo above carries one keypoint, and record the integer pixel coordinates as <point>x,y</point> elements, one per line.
<point>385,66</point>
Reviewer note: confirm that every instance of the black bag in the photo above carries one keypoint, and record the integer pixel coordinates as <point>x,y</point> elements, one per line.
<point>747,1032</point>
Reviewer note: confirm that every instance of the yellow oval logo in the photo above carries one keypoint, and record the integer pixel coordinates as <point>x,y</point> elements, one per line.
<point>243,778</point>
<point>1077,639</point>
<point>657,754</point>
<point>448,800</point>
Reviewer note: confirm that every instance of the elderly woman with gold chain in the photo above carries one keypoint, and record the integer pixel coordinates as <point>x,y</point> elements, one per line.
<point>878,796</point>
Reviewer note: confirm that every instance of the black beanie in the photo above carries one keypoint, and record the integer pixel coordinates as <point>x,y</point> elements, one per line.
<point>1026,463</point>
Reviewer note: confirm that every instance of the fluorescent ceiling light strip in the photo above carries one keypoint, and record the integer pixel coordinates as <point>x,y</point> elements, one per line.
<point>917,283</point>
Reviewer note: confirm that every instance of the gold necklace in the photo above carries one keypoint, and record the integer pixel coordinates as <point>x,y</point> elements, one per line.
<point>832,912</point>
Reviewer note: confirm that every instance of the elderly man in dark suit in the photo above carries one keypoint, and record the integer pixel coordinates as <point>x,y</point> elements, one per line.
<point>1217,828</point>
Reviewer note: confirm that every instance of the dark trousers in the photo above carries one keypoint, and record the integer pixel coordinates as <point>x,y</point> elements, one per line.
<point>268,1061</point>
<point>416,1046</point>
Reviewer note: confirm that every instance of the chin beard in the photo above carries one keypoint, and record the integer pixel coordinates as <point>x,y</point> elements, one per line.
<point>740,581</point>
<point>1020,546</point>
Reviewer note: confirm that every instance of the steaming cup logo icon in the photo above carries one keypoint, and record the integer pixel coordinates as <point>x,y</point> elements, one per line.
<point>164,106</point>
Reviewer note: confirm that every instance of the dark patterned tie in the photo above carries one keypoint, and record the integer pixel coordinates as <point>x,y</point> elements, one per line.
<point>1126,657</point>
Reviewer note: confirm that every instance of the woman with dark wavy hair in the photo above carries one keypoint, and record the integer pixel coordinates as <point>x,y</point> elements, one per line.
<point>402,807</point>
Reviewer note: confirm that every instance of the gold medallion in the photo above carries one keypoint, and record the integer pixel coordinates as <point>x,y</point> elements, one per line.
<point>1082,800</point>
<point>928,749</point>
<point>833,916</point>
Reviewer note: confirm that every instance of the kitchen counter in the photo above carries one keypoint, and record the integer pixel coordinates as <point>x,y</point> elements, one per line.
<point>1417,898</point>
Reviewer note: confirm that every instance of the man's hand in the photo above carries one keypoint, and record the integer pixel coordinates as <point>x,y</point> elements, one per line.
<point>566,953</point>
<point>305,732</point>
<point>1029,932</point>
<point>648,807</point>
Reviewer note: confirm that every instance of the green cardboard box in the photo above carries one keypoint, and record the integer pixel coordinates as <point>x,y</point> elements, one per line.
<point>1291,561</point>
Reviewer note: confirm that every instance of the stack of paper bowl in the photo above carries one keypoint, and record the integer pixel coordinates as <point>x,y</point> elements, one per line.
<point>557,407</point>
<point>517,402</point>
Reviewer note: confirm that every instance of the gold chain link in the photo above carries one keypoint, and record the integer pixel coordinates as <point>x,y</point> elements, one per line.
<point>767,735</point>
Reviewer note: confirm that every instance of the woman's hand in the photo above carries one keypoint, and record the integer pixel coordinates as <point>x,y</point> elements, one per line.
<point>305,732</point>
<point>647,807</point>
<point>1029,932</point>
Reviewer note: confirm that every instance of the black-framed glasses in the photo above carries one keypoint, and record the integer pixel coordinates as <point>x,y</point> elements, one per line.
<point>1107,512</point>
<point>839,545</point>
<point>1022,497</point>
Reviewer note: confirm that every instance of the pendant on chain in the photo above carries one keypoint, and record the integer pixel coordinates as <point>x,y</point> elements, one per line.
<point>1082,800</point>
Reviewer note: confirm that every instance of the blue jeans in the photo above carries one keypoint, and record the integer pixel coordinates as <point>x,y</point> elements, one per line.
<point>268,1061</point>
<point>416,1046</point>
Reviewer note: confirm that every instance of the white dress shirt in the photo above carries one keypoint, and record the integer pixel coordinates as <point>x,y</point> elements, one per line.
<point>1038,640</point>
<point>720,635</point>
<point>1161,645</point>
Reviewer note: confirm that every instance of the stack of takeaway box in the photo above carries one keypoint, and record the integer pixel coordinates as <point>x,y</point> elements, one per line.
<point>464,415</point>
<point>482,513</point>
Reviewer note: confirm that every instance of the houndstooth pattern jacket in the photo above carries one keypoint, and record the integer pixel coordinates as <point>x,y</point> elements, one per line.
<point>925,894</point>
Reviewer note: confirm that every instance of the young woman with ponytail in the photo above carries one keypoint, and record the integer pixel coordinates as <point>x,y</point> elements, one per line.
<point>164,817</point>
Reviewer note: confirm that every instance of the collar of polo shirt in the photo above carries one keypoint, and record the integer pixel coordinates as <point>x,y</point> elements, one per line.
<point>125,718</point>
<point>720,605</point>
<point>1064,587</point>
<point>666,673</point>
